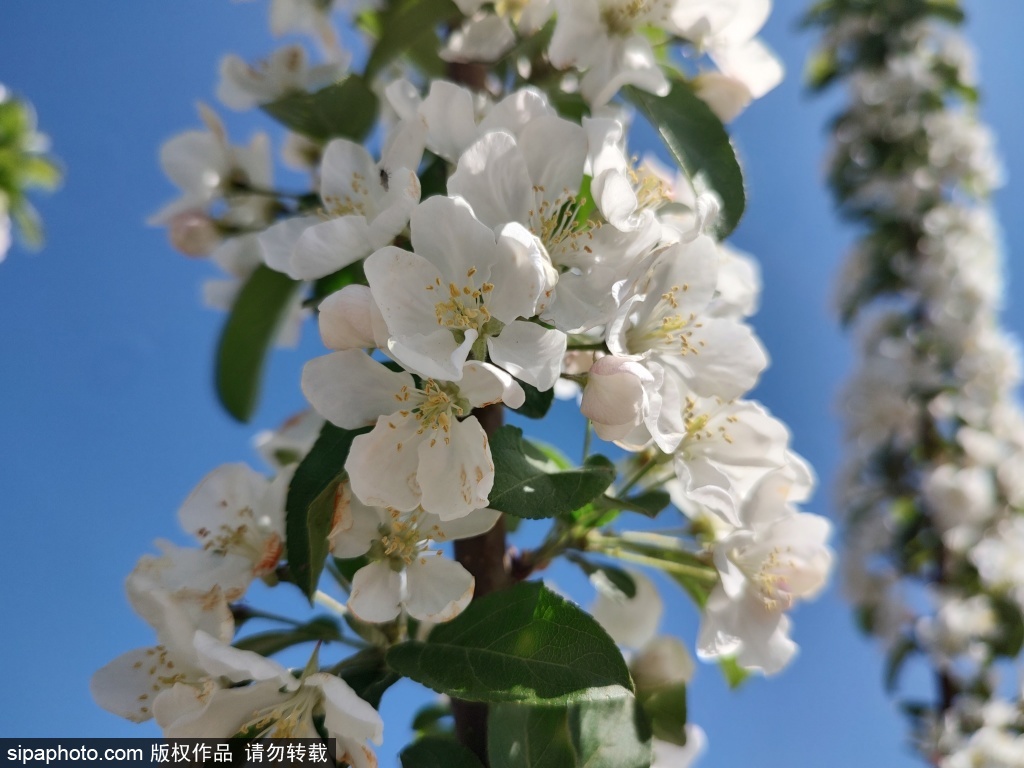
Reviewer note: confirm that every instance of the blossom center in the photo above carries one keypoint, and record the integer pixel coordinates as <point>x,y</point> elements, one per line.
<point>559,225</point>
<point>289,719</point>
<point>769,575</point>
<point>620,18</point>
<point>465,308</point>
<point>667,330</point>
<point>353,204</point>
<point>434,407</point>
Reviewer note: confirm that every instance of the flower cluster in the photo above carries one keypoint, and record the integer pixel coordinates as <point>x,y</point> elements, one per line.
<point>499,242</point>
<point>931,491</point>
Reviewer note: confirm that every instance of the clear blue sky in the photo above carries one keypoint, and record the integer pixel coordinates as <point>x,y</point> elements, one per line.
<point>107,414</point>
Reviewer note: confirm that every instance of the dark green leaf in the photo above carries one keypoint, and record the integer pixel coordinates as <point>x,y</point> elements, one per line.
<point>430,719</point>
<point>346,109</point>
<point>403,27</point>
<point>894,660</point>
<point>259,311</point>
<point>537,403</point>
<point>521,644</point>
<point>351,275</point>
<point>1010,639</point>
<point>700,145</point>
<point>438,752</point>
<point>648,503</point>
<point>367,674</point>
<point>520,736</point>
<point>611,732</point>
<point>309,509</point>
<point>665,707</point>
<point>274,641</point>
<point>523,489</point>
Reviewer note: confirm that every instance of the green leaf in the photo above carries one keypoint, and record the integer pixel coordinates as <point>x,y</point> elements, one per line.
<point>697,589</point>
<point>433,719</point>
<point>403,27</point>
<point>259,311</point>
<point>520,736</point>
<point>665,707</point>
<point>520,644</point>
<point>346,109</point>
<point>523,489</point>
<point>351,275</point>
<point>37,171</point>
<point>309,508</point>
<point>621,580</point>
<point>274,641</point>
<point>438,752</point>
<point>734,674</point>
<point>894,660</point>
<point>367,674</point>
<point>648,503</point>
<point>700,145</point>
<point>537,403</point>
<point>611,732</point>
<point>1010,639</point>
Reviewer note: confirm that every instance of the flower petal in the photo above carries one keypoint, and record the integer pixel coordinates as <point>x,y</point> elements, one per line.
<point>437,589</point>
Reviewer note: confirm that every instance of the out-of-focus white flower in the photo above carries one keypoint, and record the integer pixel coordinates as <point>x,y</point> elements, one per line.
<point>776,557</point>
<point>366,205</point>
<point>244,86</point>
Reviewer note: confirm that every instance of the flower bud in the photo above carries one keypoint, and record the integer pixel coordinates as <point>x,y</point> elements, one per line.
<point>194,233</point>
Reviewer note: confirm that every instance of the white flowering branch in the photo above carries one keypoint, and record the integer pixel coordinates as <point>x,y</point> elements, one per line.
<point>932,492</point>
<point>500,247</point>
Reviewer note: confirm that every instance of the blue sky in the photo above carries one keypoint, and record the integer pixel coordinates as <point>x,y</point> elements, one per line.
<point>107,414</point>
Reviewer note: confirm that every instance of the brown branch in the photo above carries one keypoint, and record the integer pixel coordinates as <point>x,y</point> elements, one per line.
<point>484,557</point>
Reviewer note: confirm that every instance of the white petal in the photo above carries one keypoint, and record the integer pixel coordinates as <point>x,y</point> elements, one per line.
<point>630,621</point>
<point>447,234</point>
<point>437,589</point>
<point>220,499</point>
<point>455,471</point>
<point>485,384</point>
<point>529,352</point>
<point>406,287</point>
<point>345,713</point>
<point>329,246</point>
<point>485,38</point>
<point>475,523</point>
<point>346,171</point>
<point>126,685</point>
<point>223,660</point>
<point>356,525</point>
<point>277,243</point>
<point>376,593</point>
<point>493,177</point>
<point>345,319</point>
<point>555,150</point>
<point>394,206</point>
<point>451,119</point>
<point>351,389</point>
<point>382,466</point>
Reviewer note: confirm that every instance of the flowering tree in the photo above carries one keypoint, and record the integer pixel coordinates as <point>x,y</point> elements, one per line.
<point>932,490</point>
<point>477,240</point>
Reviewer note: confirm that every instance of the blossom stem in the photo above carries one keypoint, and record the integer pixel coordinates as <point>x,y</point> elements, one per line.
<point>647,466</point>
<point>588,432</point>
<point>704,573</point>
<point>322,598</point>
